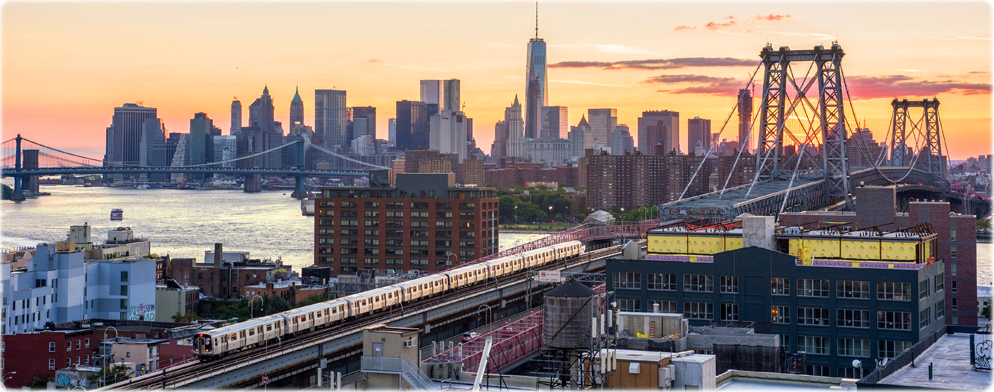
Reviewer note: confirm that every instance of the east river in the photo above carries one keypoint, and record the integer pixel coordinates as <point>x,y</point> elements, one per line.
<point>181,223</point>
<point>185,223</point>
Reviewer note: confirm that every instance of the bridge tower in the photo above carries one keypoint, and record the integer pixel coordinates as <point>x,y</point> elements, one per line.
<point>18,180</point>
<point>300,189</point>
<point>778,106</point>
<point>929,127</point>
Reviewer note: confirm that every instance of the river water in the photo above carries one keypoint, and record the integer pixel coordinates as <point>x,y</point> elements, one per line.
<point>181,223</point>
<point>185,223</point>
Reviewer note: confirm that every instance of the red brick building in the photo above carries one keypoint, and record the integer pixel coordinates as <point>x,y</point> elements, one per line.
<point>416,225</point>
<point>226,279</point>
<point>956,245</point>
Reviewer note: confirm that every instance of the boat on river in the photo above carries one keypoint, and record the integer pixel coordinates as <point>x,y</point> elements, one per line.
<point>117,214</point>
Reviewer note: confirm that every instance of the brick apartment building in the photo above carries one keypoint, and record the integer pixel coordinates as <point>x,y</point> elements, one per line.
<point>415,225</point>
<point>956,243</point>
<point>227,274</point>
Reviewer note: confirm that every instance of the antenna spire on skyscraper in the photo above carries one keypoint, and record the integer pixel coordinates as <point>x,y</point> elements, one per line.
<point>536,20</point>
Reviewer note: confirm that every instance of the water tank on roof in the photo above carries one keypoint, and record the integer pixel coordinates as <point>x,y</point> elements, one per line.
<point>568,312</point>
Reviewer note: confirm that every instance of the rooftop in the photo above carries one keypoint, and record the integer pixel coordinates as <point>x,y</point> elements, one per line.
<point>950,357</point>
<point>749,380</point>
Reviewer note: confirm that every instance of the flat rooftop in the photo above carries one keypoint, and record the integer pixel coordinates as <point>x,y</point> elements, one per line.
<point>951,369</point>
<point>737,195</point>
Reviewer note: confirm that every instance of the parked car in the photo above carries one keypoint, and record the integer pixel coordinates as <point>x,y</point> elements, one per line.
<point>469,336</point>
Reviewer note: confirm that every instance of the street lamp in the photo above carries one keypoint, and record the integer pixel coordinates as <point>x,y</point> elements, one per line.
<point>280,345</point>
<point>550,213</point>
<point>5,378</point>
<point>515,215</point>
<point>490,314</point>
<point>252,305</point>
<point>448,261</point>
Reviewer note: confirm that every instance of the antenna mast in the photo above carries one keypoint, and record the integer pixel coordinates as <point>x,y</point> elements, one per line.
<point>536,20</point>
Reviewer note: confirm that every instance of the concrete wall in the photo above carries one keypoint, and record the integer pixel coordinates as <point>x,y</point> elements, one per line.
<point>694,372</point>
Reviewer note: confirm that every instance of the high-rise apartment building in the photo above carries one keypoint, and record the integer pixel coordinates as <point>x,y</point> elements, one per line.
<point>657,137</point>
<point>236,117</point>
<point>330,117</point>
<point>296,111</point>
<point>622,181</point>
<point>602,123</point>
<point>124,135</point>
<point>651,118</point>
<point>423,224</point>
<point>536,86</point>
<point>698,135</point>
<point>745,120</point>
<point>555,122</point>
<point>413,124</point>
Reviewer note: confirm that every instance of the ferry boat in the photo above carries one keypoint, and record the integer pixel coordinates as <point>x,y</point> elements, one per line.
<point>116,214</point>
<point>307,207</point>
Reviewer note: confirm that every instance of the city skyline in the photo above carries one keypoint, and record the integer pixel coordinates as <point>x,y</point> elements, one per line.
<point>691,61</point>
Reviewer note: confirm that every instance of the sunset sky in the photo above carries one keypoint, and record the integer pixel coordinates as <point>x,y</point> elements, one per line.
<point>67,65</point>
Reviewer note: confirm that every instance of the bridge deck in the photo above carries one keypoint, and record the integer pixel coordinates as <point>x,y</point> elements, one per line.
<point>715,203</point>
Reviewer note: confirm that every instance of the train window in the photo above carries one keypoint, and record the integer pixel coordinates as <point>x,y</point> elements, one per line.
<point>269,327</point>
<point>251,332</point>
<point>243,334</point>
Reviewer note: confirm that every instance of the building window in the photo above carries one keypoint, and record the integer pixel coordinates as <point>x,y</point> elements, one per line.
<point>853,318</point>
<point>891,348</point>
<point>894,320</point>
<point>940,309</point>
<point>780,314</point>
<point>698,283</point>
<point>955,303</point>
<point>854,347</point>
<point>940,282</point>
<point>812,287</point>
<point>87,343</point>
<point>124,276</point>
<point>952,233</point>
<point>729,312</point>
<point>952,251</point>
<point>664,282</point>
<point>51,347</point>
<point>923,289</point>
<point>952,268</point>
<point>897,291</point>
<point>124,304</point>
<point>952,288</point>
<point>812,316</point>
<point>848,372</point>
<point>79,343</point>
<point>812,344</point>
<point>729,284</point>
<point>664,306</point>
<point>124,290</point>
<point>817,370</point>
<point>698,310</point>
<point>859,289</point>
<point>51,364</point>
<point>630,305</point>
<point>627,280</point>
<point>785,343</point>
<point>781,286</point>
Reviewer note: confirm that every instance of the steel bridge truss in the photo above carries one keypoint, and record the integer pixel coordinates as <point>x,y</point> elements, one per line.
<point>927,127</point>
<point>830,113</point>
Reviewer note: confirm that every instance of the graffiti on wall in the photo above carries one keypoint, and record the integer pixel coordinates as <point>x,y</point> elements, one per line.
<point>142,312</point>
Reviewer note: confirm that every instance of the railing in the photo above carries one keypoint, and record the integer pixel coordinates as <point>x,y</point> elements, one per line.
<point>510,343</point>
<point>402,366</point>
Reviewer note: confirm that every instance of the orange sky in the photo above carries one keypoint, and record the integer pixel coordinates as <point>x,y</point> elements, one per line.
<point>65,66</point>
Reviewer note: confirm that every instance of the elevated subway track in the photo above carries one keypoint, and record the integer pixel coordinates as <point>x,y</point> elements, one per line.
<point>342,343</point>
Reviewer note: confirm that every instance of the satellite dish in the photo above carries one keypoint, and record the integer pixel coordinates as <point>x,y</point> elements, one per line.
<point>857,363</point>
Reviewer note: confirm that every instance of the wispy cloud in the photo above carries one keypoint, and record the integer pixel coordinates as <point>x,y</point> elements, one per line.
<point>772,17</point>
<point>730,22</point>
<point>656,64</point>
<point>869,87</point>
<point>685,27</point>
<point>373,61</point>
<point>585,83</point>
<point>715,25</point>
<point>702,84</point>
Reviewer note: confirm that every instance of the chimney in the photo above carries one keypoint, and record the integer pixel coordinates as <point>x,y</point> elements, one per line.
<point>217,255</point>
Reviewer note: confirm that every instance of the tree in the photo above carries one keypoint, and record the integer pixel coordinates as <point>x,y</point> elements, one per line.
<point>275,304</point>
<point>986,312</point>
<point>984,224</point>
<point>189,316</point>
<point>111,374</point>
<point>8,192</point>
<point>36,382</point>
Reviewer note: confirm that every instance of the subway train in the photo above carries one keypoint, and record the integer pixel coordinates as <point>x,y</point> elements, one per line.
<point>252,333</point>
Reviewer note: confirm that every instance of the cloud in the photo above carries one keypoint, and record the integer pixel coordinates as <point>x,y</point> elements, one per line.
<point>702,84</point>
<point>654,64</point>
<point>374,61</point>
<point>685,27</point>
<point>773,17</point>
<point>715,25</point>
<point>979,72</point>
<point>889,86</point>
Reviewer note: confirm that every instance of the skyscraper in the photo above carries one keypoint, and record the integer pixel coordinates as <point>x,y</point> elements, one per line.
<point>698,135</point>
<point>236,117</point>
<point>363,121</point>
<point>555,122</point>
<point>296,111</point>
<point>536,84</point>
<point>200,130</point>
<point>124,134</point>
<point>602,123</point>
<point>431,92</point>
<point>330,117</point>
<point>515,129</point>
<point>264,132</point>
<point>392,131</point>
<point>450,96</point>
<point>448,133</point>
<point>745,119</point>
<point>412,124</point>
<point>652,118</point>
<point>621,141</point>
